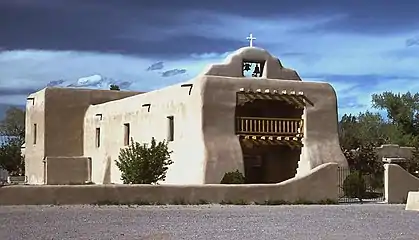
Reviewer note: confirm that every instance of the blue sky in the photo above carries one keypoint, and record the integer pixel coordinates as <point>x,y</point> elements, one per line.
<point>360,47</point>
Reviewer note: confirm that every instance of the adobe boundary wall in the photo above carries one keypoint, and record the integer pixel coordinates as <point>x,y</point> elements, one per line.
<point>398,183</point>
<point>318,185</point>
<point>413,201</point>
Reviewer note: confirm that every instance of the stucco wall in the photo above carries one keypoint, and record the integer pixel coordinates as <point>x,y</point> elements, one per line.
<point>413,201</point>
<point>232,66</point>
<point>397,183</point>
<point>34,153</point>
<point>59,115</point>
<point>64,113</point>
<point>188,149</point>
<point>320,184</point>
<point>68,170</point>
<point>394,150</point>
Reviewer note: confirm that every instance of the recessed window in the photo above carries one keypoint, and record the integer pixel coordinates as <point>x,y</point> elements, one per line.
<point>34,133</point>
<point>126,134</point>
<point>97,137</point>
<point>171,128</point>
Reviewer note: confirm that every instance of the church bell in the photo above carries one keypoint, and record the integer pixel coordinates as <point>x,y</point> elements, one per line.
<point>246,67</point>
<point>257,70</point>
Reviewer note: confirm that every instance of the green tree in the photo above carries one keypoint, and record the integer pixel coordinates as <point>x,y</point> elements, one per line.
<point>144,163</point>
<point>11,158</point>
<point>13,124</point>
<point>365,160</point>
<point>348,132</point>
<point>369,127</point>
<point>412,164</point>
<point>114,87</point>
<point>365,128</point>
<point>402,110</point>
<point>12,128</point>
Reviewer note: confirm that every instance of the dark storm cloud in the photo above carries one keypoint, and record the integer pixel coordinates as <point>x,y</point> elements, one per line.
<point>55,83</point>
<point>369,80</point>
<point>173,72</point>
<point>4,91</point>
<point>156,66</point>
<point>412,42</point>
<point>98,25</point>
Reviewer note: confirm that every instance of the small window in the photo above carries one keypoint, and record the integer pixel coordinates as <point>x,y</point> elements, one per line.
<point>34,133</point>
<point>126,134</point>
<point>171,129</point>
<point>97,137</point>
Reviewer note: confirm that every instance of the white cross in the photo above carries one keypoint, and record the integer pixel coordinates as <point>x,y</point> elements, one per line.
<point>251,38</point>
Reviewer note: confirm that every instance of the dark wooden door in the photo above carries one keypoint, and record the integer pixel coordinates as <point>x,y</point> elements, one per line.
<point>253,166</point>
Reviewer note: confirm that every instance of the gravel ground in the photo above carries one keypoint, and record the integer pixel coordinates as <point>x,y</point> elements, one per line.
<point>368,221</point>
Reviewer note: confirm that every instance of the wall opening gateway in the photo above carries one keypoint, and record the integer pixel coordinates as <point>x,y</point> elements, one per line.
<point>270,132</point>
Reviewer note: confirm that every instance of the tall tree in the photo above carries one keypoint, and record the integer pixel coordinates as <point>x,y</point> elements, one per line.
<point>402,110</point>
<point>11,158</point>
<point>12,128</point>
<point>366,128</point>
<point>13,124</point>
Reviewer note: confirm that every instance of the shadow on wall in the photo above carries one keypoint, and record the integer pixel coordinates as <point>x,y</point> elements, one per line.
<point>320,185</point>
<point>398,183</point>
<point>107,173</point>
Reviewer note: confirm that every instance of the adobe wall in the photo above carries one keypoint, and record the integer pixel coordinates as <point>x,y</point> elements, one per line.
<point>398,183</point>
<point>34,153</point>
<point>64,115</point>
<point>59,115</point>
<point>68,170</point>
<point>145,123</point>
<point>412,203</point>
<point>232,66</point>
<point>321,142</point>
<point>319,185</point>
<point>394,150</point>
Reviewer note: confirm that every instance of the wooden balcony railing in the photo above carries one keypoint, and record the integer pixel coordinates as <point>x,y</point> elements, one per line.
<point>269,126</point>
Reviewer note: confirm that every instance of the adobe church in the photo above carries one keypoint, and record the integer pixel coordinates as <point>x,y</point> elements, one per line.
<point>247,113</point>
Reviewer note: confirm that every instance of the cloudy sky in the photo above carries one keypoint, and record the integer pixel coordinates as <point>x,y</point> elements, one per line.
<point>361,47</point>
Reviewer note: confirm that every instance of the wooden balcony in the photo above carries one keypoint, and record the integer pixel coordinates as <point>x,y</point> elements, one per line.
<point>269,126</point>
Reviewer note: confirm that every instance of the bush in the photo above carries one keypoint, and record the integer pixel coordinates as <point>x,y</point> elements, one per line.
<point>144,164</point>
<point>235,177</point>
<point>354,185</point>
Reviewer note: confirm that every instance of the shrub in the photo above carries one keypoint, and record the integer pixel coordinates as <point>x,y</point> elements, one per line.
<point>144,163</point>
<point>114,87</point>
<point>235,177</point>
<point>354,185</point>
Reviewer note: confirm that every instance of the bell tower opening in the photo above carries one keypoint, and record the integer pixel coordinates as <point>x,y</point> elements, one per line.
<point>253,68</point>
<point>270,129</point>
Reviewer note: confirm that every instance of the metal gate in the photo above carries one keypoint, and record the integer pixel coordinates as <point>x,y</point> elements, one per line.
<point>358,188</point>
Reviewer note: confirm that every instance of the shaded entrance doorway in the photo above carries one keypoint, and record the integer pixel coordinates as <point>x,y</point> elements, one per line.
<point>270,164</point>
<point>270,133</point>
